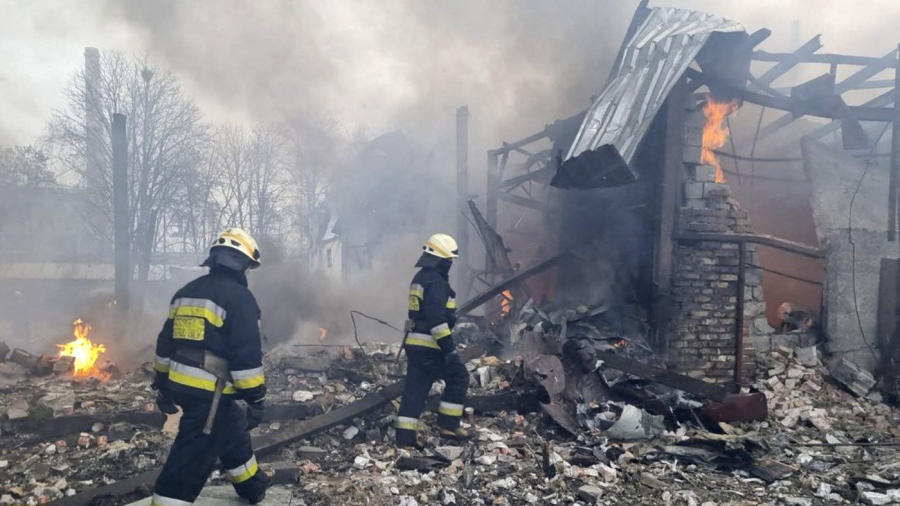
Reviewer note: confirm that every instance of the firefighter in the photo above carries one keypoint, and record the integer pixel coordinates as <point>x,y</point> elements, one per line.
<point>209,348</point>
<point>430,350</point>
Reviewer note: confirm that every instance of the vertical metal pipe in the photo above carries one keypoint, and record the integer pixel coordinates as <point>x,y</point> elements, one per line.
<point>120,210</point>
<point>493,188</point>
<point>895,155</point>
<point>462,196</point>
<point>739,317</point>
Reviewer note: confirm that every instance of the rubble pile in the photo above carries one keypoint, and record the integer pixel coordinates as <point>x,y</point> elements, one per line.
<point>59,436</point>
<point>819,446</point>
<point>793,458</point>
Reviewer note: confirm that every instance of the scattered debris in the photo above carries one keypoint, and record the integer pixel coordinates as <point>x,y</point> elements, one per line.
<point>795,318</point>
<point>859,381</point>
<point>633,440</point>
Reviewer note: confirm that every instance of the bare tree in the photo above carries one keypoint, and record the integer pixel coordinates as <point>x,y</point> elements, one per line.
<point>252,182</point>
<point>165,141</point>
<point>233,189</point>
<point>268,182</point>
<point>24,166</point>
<point>195,211</point>
<point>315,148</point>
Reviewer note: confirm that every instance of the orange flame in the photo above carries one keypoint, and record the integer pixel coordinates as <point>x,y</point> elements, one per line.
<point>83,350</point>
<point>505,300</point>
<point>715,132</point>
<point>323,333</point>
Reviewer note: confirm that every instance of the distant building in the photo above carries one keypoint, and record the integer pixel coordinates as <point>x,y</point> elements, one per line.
<point>387,191</point>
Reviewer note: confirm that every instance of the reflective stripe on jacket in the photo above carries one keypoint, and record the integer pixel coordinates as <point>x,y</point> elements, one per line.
<point>215,313</point>
<point>432,309</point>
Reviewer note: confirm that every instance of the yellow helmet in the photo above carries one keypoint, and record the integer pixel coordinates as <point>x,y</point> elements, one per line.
<point>239,239</point>
<point>441,246</point>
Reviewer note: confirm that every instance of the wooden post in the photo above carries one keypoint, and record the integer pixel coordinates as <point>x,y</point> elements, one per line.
<point>670,203</point>
<point>120,212</point>
<point>462,196</point>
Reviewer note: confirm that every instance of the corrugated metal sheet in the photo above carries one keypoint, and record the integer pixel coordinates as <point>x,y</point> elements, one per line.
<point>655,57</point>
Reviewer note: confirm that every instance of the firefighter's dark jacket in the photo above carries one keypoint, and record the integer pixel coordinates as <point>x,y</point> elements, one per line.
<point>215,313</point>
<point>432,306</point>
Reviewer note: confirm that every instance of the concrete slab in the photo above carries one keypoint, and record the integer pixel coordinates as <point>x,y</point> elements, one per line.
<point>225,496</point>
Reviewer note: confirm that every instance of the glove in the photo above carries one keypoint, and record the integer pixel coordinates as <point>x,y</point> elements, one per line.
<point>165,404</point>
<point>255,413</point>
<point>159,381</point>
<point>452,359</point>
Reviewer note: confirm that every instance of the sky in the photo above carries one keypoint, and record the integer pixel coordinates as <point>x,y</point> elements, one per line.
<point>381,65</point>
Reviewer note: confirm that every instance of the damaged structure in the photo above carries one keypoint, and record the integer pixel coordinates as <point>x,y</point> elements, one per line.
<point>625,348</point>
<point>663,248</point>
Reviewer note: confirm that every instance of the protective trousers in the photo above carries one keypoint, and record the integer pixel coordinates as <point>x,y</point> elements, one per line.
<point>424,367</point>
<point>194,454</point>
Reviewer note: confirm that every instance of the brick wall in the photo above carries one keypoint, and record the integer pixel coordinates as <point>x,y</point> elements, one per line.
<point>706,274</point>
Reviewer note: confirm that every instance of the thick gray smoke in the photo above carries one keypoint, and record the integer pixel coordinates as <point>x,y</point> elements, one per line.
<point>378,65</point>
<point>383,66</point>
<point>406,64</point>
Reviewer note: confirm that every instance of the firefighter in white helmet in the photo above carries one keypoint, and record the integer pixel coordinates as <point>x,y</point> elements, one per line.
<point>208,355</point>
<point>429,346</point>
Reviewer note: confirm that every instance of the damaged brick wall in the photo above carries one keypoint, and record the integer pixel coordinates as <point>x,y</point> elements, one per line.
<point>705,279</point>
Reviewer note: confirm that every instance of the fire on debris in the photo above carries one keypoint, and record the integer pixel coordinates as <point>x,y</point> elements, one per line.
<point>83,351</point>
<point>715,132</point>
<point>505,300</point>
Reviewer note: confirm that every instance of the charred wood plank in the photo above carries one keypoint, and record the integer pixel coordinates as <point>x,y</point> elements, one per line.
<point>664,377</point>
<point>546,172</point>
<point>497,289</point>
<point>513,146</point>
<point>765,240</point>
<point>857,81</point>
<point>837,59</point>
<point>884,100</point>
<point>295,411</point>
<point>273,441</point>
<point>791,60</point>
<point>421,464</point>
<point>63,425</point>
<point>525,202</point>
<point>268,443</point>
<point>797,108</point>
<point>116,489</point>
<point>493,243</point>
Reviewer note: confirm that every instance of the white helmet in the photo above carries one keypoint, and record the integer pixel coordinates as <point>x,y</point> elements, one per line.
<point>239,239</point>
<point>441,246</point>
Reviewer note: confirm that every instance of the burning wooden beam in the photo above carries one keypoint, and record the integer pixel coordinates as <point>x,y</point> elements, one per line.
<point>497,289</point>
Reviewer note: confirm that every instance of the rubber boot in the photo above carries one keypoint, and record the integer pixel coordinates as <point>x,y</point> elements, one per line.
<point>261,497</point>
<point>408,440</point>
